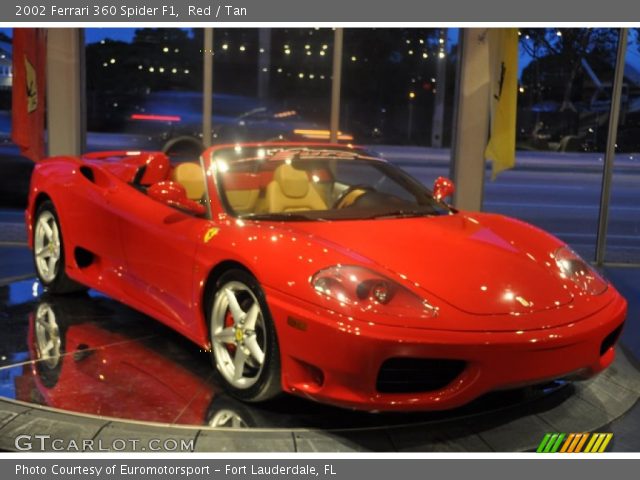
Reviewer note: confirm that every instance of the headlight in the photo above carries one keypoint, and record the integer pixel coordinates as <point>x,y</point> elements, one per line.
<point>579,272</point>
<point>369,291</point>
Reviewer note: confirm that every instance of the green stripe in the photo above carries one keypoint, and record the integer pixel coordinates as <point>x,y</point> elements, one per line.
<point>558,442</point>
<point>543,443</point>
<point>550,443</point>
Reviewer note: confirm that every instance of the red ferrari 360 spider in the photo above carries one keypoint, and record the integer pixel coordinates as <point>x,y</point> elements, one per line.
<point>324,272</point>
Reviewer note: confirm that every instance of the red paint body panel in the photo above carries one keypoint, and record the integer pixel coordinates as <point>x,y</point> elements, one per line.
<point>350,351</point>
<point>502,306</point>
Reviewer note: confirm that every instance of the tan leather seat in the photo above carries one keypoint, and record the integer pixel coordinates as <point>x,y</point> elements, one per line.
<point>243,201</point>
<point>190,176</point>
<point>290,190</point>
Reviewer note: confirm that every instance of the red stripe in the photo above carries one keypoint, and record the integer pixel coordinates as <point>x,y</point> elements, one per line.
<point>156,118</point>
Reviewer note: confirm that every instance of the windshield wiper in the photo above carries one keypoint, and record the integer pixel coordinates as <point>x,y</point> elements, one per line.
<point>401,214</point>
<point>293,217</point>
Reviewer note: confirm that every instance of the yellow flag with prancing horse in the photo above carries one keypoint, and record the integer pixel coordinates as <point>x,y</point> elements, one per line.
<point>503,72</point>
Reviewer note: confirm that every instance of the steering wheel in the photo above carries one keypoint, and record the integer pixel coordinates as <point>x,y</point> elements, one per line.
<point>340,201</point>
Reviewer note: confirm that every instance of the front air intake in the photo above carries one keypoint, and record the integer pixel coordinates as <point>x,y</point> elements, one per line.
<point>610,340</point>
<point>415,375</point>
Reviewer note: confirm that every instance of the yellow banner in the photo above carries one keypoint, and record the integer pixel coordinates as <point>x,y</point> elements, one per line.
<point>503,71</point>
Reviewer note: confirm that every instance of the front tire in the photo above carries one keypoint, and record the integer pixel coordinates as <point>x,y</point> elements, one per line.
<point>48,252</point>
<point>244,345</point>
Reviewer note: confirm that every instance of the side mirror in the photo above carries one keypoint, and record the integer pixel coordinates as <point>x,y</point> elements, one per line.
<point>174,195</point>
<point>443,188</point>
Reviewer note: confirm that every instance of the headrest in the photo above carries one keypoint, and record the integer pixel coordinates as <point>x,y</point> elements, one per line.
<point>188,171</point>
<point>293,183</point>
<point>157,166</point>
<point>190,176</point>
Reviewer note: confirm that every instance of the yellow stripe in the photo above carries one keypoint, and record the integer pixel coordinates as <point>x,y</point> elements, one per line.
<point>567,442</point>
<point>582,440</point>
<point>593,443</point>
<point>596,445</point>
<point>606,442</point>
<point>594,437</point>
<point>572,448</point>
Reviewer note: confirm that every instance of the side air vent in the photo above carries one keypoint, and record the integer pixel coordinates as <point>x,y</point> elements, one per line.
<point>137,179</point>
<point>87,173</point>
<point>83,257</point>
<point>96,176</point>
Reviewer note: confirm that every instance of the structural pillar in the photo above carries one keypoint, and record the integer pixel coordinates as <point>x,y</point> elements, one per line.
<point>437,124</point>
<point>336,81</point>
<point>66,111</point>
<point>264,63</point>
<point>471,119</point>
<point>612,136</point>
<point>207,87</point>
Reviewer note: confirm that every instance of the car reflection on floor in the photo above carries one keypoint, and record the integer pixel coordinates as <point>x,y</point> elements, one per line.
<point>92,355</point>
<point>85,367</point>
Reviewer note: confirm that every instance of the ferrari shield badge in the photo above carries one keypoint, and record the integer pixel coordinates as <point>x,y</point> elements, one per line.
<point>212,232</point>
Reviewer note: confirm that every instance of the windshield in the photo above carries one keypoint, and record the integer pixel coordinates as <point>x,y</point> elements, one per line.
<point>333,183</point>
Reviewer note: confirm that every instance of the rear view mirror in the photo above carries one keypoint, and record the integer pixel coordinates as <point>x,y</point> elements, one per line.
<point>443,188</point>
<point>175,195</point>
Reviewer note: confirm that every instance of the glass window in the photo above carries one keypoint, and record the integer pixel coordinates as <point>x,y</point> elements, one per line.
<point>623,233</point>
<point>144,89</point>
<point>563,115</point>
<point>15,170</point>
<point>398,93</point>
<point>284,74</point>
<point>6,81</point>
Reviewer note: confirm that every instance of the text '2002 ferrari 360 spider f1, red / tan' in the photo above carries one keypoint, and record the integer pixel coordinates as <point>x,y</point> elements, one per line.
<point>322,271</point>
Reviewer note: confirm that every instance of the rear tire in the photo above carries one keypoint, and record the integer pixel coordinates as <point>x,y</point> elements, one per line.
<point>48,252</point>
<point>244,344</point>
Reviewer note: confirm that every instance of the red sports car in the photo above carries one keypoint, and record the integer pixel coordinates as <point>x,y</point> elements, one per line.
<point>322,271</point>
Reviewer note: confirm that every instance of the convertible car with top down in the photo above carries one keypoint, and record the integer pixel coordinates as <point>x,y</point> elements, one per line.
<point>322,271</point>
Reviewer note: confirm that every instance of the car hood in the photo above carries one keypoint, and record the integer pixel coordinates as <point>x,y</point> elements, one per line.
<point>481,264</point>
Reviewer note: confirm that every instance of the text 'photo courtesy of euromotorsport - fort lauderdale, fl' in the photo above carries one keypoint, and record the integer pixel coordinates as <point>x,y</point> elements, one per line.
<point>177,470</point>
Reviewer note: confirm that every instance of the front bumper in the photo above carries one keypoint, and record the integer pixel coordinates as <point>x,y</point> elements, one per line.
<point>336,359</point>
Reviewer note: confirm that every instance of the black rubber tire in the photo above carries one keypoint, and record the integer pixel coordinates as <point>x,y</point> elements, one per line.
<point>269,384</point>
<point>61,284</point>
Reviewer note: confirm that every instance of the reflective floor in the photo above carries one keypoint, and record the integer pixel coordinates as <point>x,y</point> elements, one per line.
<point>89,354</point>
